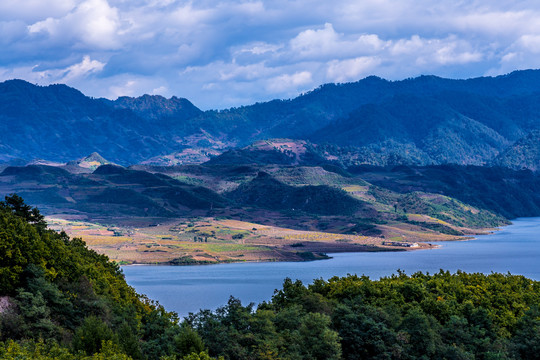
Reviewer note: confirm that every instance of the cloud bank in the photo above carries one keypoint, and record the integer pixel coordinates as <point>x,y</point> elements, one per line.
<point>228,53</point>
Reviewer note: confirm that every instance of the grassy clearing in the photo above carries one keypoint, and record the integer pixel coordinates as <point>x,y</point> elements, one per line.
<point>355,188</point>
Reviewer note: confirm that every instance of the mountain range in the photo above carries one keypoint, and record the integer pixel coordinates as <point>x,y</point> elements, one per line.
<point>420,121</point>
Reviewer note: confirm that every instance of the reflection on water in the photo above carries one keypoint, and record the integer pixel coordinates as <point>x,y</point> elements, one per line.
<point>184,289</point>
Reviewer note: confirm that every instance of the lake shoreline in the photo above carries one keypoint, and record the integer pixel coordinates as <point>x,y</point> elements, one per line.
<point>211,241</point>
<point>324,251</point>
<point>513,249</point>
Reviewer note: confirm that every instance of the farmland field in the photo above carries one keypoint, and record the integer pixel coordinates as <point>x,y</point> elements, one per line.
<point>210,240</point>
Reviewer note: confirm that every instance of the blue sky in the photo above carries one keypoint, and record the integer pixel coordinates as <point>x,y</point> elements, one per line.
<point>220,54</point>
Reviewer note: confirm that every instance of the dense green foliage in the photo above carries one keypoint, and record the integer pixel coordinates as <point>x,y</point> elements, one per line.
<point>66,301</point>
<point>440,316</point>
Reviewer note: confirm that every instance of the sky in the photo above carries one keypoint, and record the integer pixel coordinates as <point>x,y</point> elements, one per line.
<point>220,54</point>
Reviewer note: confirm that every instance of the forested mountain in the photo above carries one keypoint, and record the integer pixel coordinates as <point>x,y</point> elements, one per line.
<point>59,123</point>
<point>504,191</point>
<point>425,120</point>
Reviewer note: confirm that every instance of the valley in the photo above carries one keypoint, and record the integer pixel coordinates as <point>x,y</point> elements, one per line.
<point>373,165</point>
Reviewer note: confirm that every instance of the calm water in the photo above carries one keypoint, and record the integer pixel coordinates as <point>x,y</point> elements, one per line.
<point>184,289</point>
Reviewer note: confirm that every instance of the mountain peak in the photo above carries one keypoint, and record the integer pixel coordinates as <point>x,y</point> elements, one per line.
<point>90,162</point>
<point>157,106</point>
<point>95,157</point>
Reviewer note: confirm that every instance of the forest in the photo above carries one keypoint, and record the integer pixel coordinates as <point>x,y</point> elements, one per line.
<point>61,300</point>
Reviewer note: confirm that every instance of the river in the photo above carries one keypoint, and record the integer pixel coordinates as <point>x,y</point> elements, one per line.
<point>184,289</point>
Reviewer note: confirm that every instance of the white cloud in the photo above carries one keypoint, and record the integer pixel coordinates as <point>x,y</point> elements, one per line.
<point>499,23</point>
<point>286,82</point>
<point>162,90</point>
<point>243,73</point>
<point>93,23</point>
<point>73,75</point>
<point>407,46</point>
<point>310,41</point>
<point>529,43</point>
<point>258,48</point>
<point>351,69</point>
<point>449,54</point>
<point>223,53</point>
<point>34,10</point>
<point>127,88</point>
<point>326,42</point>
<point>82,69</point>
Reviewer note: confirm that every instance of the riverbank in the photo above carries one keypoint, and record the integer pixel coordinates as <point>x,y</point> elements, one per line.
<point>211,241</point>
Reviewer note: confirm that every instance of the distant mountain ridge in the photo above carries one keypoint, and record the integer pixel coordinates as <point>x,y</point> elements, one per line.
<point>420,121</point>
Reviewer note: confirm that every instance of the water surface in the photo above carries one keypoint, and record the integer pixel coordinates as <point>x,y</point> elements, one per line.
<point>184,289</point>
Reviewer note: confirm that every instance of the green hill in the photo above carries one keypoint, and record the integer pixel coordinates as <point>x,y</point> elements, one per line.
<point>506,192</point>
<point>110,191</point>
<point>61,300</point>
<point>266,192</point>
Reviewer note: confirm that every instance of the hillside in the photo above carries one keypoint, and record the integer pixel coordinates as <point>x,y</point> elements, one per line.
<point>266,192</point>
<point>428,131</point>
<point>523,154</point>
<point>220,213</point>
<point>110,191</point>
<point>418,316</point>
<point>274,151</point>
<point>158,108</point>
<point>420,121</point>
<point>59,123</point>
<point>87,164</point>
<point>506,192</point>
<point>62,300</point>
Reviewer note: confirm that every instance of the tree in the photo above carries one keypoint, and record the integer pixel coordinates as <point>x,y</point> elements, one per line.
<point>35,314</point>
<point>203,355</point>
<point>526,342</point>
<point>90,335</point>
<point>317,339</point>
<point>15,204</point>
<point>188,341</point>
<point>419,334</point>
